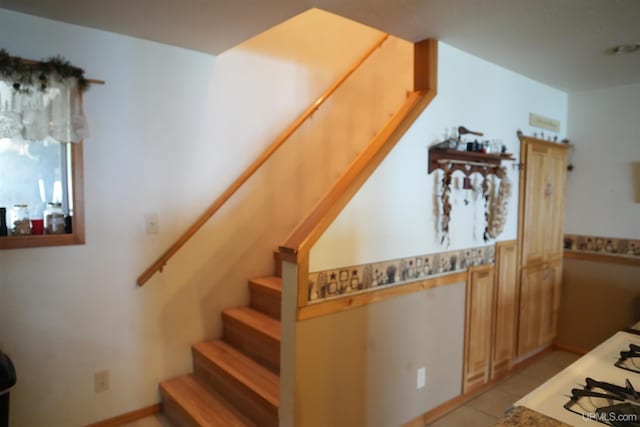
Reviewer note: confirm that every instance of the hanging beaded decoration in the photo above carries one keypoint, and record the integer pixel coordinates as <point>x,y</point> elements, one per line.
<point>485,194</point>
<point>446,205</point>
<point>499,209</point>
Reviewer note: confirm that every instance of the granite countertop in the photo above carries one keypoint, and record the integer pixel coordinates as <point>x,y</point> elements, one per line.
<point>525,417</point>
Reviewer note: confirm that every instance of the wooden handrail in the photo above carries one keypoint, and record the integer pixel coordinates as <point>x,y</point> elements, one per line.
<point>299,243</point>
<point>159,264</point>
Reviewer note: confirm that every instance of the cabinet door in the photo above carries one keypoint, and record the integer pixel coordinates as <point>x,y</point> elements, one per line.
<point>555,172</point>
<point>530,315</point>
<point>550,294</point>
<point>477,352</point>
<point>504,320</point>
<point>544,198</point>
<point>535,190</point>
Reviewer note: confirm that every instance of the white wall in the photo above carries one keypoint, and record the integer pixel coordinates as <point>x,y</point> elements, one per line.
<point>169,131</point>
<point>393,214</point>
<point>604,126</point>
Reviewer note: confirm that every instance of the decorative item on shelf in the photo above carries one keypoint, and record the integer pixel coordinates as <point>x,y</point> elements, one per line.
<point>466,185</point>
<point>467,162</point>
<point>446,206</point>
<point>37,226</point>
<point>464,131</point>
<point>484,158</point>
<point>498,213</point>
<point>20,222</point>
<point>570,166</point>
<point>54,219</point>
<point>3,222</point>
<point>485,195</point>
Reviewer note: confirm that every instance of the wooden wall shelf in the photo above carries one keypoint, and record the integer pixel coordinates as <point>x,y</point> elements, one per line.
<point>467,162</point>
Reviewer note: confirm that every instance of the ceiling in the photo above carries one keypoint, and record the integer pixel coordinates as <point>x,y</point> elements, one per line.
<point>561,43</point>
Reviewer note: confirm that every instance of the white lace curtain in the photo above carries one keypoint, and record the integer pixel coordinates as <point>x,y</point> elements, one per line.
<point>36,114</point>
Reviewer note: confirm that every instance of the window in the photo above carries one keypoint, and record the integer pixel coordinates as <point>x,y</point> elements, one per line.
<point>36,173</point>
<point>41,131</point>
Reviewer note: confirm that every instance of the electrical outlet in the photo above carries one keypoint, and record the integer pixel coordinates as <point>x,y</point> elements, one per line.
<point>151,223</point>
<point>421,379</point>
<point>101,381</point>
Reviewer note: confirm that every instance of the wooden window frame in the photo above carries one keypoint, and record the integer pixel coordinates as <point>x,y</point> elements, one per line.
<point>77,236</point>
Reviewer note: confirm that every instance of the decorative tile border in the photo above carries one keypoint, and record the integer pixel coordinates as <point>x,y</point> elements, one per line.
<point>602,245</point>
<point>338,282</point>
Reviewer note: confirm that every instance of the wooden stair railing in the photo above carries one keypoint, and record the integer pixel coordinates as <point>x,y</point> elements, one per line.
<point>296,248</point>
<point>159,264</point>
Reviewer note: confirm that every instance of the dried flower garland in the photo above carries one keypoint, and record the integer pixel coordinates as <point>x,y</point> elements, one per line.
<point>27,74</point>
<point>499,211</point>
<point>446,205</point>
<point>495,208</point>
<point>485,195</point>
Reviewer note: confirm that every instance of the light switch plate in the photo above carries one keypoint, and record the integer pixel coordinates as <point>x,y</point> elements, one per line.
<point>421,379</point>
<point>151,223</point>
<point>635,171</point>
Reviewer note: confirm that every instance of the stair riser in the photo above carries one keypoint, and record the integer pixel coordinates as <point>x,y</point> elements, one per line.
<point>266,302</point>
<point>262,348</point>
<point>252,405</point>
<point>176,413</point>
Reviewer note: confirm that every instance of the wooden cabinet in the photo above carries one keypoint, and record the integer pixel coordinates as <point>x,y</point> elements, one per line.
<point>551,281</point>
<point>539,304</point>
<point>478,322</point>
<point>542,196</point>
<point>490,320</point>
<point>504,319</point>
<point>543,190</point>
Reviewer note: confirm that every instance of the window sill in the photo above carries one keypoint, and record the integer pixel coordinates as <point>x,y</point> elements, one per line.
<point>34,241</point>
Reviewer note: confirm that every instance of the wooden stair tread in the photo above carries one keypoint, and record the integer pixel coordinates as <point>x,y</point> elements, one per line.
<point>271,284</point>
<point>205,407</point>
<point>245,370</point>
<point>261,322</point>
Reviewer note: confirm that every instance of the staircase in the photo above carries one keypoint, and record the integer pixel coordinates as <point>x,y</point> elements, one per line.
<point>235,380</point>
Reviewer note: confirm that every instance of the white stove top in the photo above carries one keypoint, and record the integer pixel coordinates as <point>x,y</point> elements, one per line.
<point>598,364</point>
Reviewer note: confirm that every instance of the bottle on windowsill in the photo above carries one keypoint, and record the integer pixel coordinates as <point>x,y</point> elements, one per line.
<point>20,222</point>
<point>3,222</point>
<point>54,219</point>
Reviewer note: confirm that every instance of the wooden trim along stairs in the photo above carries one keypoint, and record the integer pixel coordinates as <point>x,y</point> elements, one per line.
<point>235,380</point>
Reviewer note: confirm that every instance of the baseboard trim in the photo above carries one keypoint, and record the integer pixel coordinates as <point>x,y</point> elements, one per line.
<point>129,417</point>
<point>570,349</point>
<point>448,406</point>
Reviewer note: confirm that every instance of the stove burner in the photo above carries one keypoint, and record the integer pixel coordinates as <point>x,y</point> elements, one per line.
<point>607,403</point>
<point>630,359</point>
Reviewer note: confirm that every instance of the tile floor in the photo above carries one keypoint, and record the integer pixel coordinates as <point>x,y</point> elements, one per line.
<point>484,410</point>
<point>157,420</point>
